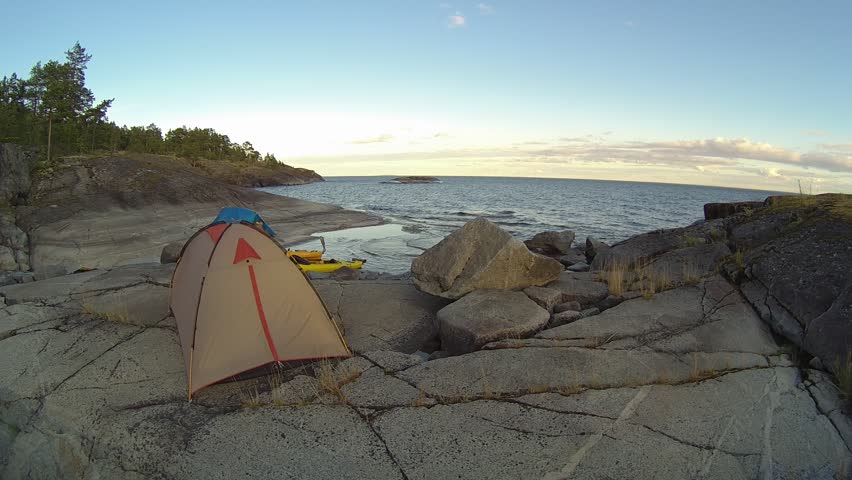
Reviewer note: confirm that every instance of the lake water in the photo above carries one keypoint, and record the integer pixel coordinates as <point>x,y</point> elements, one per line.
<point>419,215</point>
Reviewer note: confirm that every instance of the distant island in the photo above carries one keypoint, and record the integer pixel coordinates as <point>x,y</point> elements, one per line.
<point>414,179</point>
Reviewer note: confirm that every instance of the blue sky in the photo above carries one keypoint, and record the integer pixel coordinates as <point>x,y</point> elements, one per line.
<point>751,94</point>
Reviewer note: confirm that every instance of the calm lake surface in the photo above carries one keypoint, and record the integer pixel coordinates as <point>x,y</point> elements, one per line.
<point>420,215</point>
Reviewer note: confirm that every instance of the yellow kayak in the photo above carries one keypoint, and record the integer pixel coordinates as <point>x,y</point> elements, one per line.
<point>329,265</point>
<point>312,256</point>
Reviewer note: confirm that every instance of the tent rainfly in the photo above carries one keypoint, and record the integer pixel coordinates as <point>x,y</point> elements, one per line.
<point>241,303</point>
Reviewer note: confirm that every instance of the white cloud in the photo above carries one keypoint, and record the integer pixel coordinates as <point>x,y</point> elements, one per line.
<point>816,133</point>
<point>384,138</point>
<point>456,21</point>
<point>445,5</point>
<point>771,172</point>
<point>485,9</point>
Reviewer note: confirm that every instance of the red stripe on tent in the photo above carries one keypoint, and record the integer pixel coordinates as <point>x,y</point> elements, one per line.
<point>244,251</point>
<point>216,231</point>
<point>261,314</point>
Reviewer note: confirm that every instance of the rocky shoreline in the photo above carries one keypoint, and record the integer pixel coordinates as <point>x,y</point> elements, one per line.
<point>710,351</point>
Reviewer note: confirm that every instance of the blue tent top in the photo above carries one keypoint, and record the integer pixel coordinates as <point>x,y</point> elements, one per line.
<point>238,215</point>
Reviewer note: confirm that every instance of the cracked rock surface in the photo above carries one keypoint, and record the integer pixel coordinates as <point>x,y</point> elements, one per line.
<point>687,384</point>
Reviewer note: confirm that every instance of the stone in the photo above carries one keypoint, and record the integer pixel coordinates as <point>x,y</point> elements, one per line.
<point>382,315</point>
<point>480,255</point>
<point>574,256</point>
<point>484,316</point>
<point>392,362</point>
<point>171,252</point>
<point>546,298</point>
<point>579,267</point>
<point>566,306</point>
<point>563,318</point>
<point>594,246</point>
<point>552,242</point>
<point>688,265</point>
<point>829,336</point>
<point>816,364</point>
<point>590,312</point>
<point>609,302</point>
<point>574,288</point>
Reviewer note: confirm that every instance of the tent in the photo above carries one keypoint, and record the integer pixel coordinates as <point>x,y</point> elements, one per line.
<point>242,215</point>
<point>240,303</point>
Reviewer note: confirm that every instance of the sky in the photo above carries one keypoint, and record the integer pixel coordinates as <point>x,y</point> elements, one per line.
<point>753,94</point>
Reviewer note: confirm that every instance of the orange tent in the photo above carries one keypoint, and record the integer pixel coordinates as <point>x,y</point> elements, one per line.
<point>241,303</point>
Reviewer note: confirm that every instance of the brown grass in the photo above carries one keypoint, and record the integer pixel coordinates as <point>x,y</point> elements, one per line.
<point>252,399</point>
<point>331,380</point>
<point>614,274</point>
<point>690,273</point>
<point>653,281</point>
<point>540,388</point>
<point>421,401</point>
<point>119,316</point>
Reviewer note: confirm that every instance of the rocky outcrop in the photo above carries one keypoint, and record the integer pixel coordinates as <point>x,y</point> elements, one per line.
<point>796,273</point>
<point>480,255</point>
<point>687,384</point>
<point>104,212</point>
<point>552,242</point>
<point>16,163</point>
<point>594,246</point>
<point>485,316</point>
<point>712,211</point>
<point>414,179</point>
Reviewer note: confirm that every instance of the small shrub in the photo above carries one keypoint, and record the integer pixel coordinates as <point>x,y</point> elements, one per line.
<point>739,258</point>
<point>690,241</point>
<point>718,235</point>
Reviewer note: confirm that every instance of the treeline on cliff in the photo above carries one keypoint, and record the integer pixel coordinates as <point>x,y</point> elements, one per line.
<point>54,109</point>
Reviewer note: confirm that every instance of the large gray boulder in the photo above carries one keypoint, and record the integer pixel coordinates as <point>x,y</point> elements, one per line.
<point>579,288</point>
<point>480,256</point>
<point>382,315</point>
<point>171,252</point>
<point>552,242</point>
<point>485,316</point>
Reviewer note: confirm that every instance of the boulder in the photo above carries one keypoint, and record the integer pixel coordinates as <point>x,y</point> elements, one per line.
<point>594,246</point>
<point>552,242</point>
<point>586,292</point>
<point>382,315</point>
<point>574,256</point>
<point>346,273</point>
<point>545,297</point>
<point>579,267</point>
<point>480,256</point>
<point>171,252</point>
<point>51,271</point>
<point>563,318</point>
<point>484,316</point>
<point>564,307</point>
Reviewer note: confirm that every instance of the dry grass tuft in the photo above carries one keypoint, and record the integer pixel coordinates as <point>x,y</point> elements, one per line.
<point>252,399</point>
<point>331,380</point>
<point>570,389</point>
<point>421,401</point>
<point>844,380</point>
<point>541,388</point>
<point>614,274</point>
<point>653,280</point>
<point>690,273</point>
<point>739,258</point>
<point>688,240</point>
<point>117,316</point>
